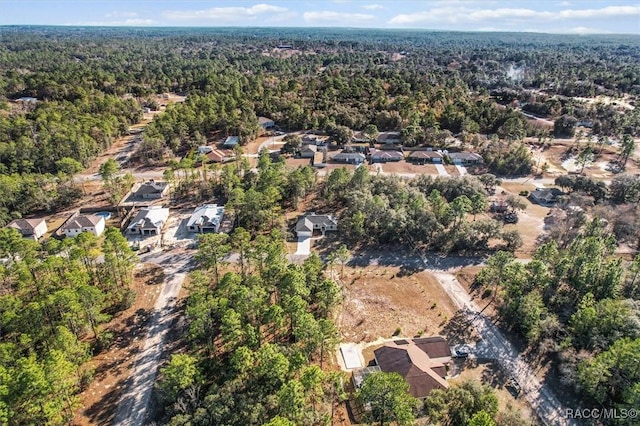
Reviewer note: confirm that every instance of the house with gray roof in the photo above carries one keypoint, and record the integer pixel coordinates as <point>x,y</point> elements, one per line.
<point>545,196</point>
<point>84,223</point>
<point>33,229</point>
<point>206,218</point>
<point>465,158</point>
<point>311,221</point>
<point>349,158</point>
<point>380,156</point>
<point>152,190</point>
<point>148,221</point>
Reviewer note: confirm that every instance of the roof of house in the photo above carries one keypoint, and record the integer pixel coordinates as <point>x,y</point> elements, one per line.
<point>231,141</point>
<point>546,194</point>
<point>264,120</point>
<point>220,155</point>
<point>420,361</point>
<point>306,222</point>
<point>312,148</point>
<point>25,224</point>
<point>386,154</point>
<point>384,137</point>
<point>344,156</point>
<point>425,154</point>
<point>150,218</point>
<point>468,156</point>
<point>152,187</point>
<point>83,221</point>
<point>206,215</point>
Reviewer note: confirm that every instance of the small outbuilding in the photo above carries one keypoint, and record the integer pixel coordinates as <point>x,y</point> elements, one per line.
<point>231,141</point>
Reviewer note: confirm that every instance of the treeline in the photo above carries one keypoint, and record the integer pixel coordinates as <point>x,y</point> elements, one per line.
<point>53,301</point>
<point>258,339</point>
<point>34,140</point>
<point>435,213</point>
<point>579,304</point>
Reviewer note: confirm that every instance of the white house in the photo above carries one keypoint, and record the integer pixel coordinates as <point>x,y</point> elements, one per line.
<point>30,228</point>
<point>84,223</point>
<point>206,218</point>
<point>149,221</point>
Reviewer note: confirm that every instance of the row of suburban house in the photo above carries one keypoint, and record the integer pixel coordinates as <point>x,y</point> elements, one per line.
<point>347,156</point>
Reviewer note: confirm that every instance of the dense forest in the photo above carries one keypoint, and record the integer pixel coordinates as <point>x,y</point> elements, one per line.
<point>53,301</point>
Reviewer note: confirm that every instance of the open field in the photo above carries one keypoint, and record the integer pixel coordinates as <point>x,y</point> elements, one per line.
<point>405,167</point>
<point>379,300</point>
<point>111,367</point>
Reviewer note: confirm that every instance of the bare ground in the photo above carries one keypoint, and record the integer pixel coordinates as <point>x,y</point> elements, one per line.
<point>112,366</point>
<point>379,300</point>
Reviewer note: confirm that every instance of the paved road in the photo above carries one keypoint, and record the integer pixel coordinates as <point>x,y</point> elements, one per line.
<point>496,346</point>
<point>134,403</point>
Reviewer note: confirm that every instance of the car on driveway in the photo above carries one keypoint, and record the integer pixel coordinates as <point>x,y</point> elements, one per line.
<point>460,354</point>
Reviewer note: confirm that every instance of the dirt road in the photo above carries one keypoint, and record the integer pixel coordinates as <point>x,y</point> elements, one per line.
<point>134,403</point>
<point>549,409</point>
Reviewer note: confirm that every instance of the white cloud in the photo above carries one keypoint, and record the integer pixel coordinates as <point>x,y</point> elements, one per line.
<point>117,14</point>
<point>456,15</point>
<point>564,3</point>
<point>373,6</point>
<point>226,13</point>
<point>332,17</point>
<point>587,30</point>
<point>132,22</point>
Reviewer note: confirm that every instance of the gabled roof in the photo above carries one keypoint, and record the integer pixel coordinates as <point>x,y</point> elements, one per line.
<point>306,222</point>
<point>386,154</point>
<point>388,137</point>
<point>150,218</point>
<point>264,120</point>
<point>344,156</point>
<point>208,215</point>
<point>152,187</point>
<point>82,221</point>
<point>220,155</point>
<point>231,141</point>
<point>25,224</point>
<point>548,195</point>
<point>425,154</point>
<point>468,156</point>
<point>312,148</point>
<point>420,361</point>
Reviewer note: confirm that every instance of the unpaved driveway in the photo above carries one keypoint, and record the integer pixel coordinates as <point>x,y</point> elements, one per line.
<point>496,346</point>
<point>134,402</point>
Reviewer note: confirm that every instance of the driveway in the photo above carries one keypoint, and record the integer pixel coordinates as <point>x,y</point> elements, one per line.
<point>134,402</point>
<point>461,169</point>
<point>304,246</point>
<point>441,170</point>
<point>496,346</point>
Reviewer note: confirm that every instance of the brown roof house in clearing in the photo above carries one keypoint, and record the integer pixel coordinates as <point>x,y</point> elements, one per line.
<point>421,362</point>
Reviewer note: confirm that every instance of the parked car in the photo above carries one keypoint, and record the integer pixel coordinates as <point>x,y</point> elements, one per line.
<point>459,353</point>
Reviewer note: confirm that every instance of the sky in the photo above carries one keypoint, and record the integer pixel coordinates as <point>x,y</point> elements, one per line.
<point>550,16</point>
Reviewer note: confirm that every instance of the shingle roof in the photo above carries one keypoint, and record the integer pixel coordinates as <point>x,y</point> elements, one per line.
<point>419,361</point>
<point>469,156</point>
<point>152,187</point>
<point>306,222</point>
<point>386,154</point>
<point>344,156</point>
<point>425,154</point>
<point>25,224</point>
<point>207,215</point>
<point>231,141</point>
<point>150,218</point>
<point>82,221</point>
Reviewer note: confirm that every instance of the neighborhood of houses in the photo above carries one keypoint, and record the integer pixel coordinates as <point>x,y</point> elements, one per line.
<point>425,363</point>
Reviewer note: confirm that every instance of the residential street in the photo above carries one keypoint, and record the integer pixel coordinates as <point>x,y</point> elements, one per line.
<point>134,401</point>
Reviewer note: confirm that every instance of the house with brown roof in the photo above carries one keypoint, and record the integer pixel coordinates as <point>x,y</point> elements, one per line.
<point>33,229</point>
<point>221,155</point>
<point>84,223</point>
<point>380,156</point>
<point>425,157</point>
<point>266,123</point>
<point>422,362</point>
